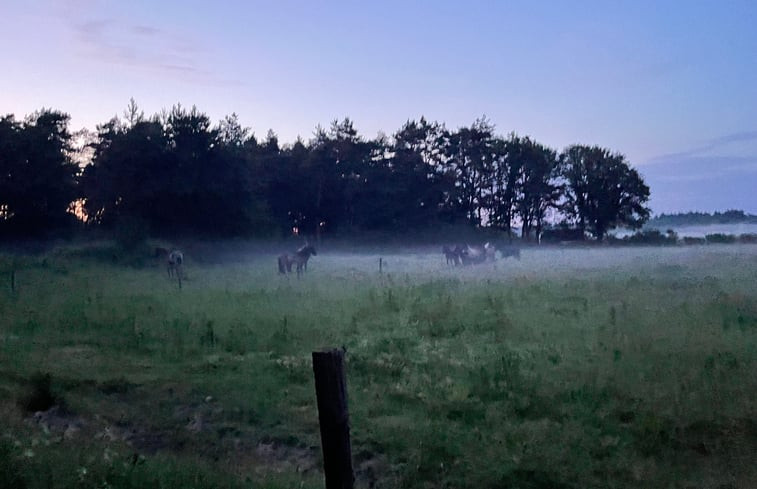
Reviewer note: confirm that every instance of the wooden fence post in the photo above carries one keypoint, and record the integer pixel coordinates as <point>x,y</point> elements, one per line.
<point>381,265</point>
<point>331,394</point>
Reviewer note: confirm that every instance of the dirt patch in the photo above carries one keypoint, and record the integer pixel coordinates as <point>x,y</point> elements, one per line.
<point>200,428</point>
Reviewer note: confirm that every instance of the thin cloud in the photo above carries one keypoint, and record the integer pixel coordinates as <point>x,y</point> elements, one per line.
<point>691,169</point>
<point>145,30</point>
<point>713,144</point>
<point>735,138</point>
<point>144,47</point>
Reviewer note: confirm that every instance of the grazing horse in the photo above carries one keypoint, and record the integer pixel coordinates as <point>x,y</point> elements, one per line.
<point>453,254</point>
<point>478,254</point>
<point>299,258</point>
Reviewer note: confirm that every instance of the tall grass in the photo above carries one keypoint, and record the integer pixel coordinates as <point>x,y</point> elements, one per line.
<point>570,368</point>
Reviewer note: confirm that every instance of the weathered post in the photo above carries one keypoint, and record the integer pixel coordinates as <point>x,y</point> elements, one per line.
<point>381,265</point>
<point>331,394</point>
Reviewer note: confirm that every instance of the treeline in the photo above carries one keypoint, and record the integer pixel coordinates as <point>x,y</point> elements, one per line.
<point>177,173</point>
<point>702,218</point>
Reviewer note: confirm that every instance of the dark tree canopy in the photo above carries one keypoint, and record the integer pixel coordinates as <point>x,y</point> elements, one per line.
<point>603,190</point>
<point>177,173</point>
<point>37,174</point>
<point>180,175</point>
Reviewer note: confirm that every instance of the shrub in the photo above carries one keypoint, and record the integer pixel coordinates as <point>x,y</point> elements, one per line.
<point>39,397</point>
<point>560,234</point>
<point>652,237</point>
<point>131,233</point>
<point>720,238</point>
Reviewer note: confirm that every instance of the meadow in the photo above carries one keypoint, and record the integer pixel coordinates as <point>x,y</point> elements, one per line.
<point>570,368</point>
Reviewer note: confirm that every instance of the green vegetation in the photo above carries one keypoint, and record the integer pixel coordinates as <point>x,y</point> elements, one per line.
<point>570,368</point>
<point>177,174</point>
<point>701,218</point>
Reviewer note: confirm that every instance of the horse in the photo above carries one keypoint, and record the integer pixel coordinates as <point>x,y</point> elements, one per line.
<point>299,258</point>
<point>490,251</point>
<point>510,250</point>
<point>174,261</point>
<point>453,254</point>
<point>478,254</point>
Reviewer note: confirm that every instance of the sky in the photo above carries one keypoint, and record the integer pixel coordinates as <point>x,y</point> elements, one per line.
<point>670,84</point>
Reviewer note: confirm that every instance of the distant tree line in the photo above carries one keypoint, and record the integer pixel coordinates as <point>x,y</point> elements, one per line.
<point>702,218</point>
<point>176,173</point>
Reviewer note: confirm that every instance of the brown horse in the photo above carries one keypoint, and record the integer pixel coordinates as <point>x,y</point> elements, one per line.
<point>513,251</point>
<point>453,254</point>
<point>299,258</point>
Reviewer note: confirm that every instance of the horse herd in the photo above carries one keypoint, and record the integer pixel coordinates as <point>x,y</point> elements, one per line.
<point>174,260</point>
<point>471,255</point>
<point>454,254</point>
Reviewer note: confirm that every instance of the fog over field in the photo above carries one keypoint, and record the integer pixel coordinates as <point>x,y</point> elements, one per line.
<point>423,263</point>
<point>528,230</point>
<point>537,262</point>
<point>573,367</point>
<point>700,231</point>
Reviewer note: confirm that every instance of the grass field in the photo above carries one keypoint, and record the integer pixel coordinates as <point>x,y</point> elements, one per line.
<point>571,368</point>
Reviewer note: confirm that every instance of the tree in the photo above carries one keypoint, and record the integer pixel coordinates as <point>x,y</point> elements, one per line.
<point>130,175</point>
<point>285,190</point>
<point>133,114</point>
<point>539,188</point>
<point>37,174</point>
<point>505,181</point>
<point>239,186</point>
<point>177,175</point>
<point>413,185</point>
<point>231,132</point>
<point>603,191</point>
<point>471,163</point>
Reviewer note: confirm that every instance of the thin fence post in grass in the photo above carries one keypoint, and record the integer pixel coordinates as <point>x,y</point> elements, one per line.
<point>331,394</point>
<point>13,280</point>
<point>381,265</point>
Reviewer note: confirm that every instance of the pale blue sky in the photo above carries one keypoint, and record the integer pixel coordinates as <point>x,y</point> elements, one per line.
<point>672,85</point>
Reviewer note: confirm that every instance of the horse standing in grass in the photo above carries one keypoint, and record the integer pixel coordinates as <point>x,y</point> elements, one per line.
<point>299,258</point>
<point>478,254</point>
<point>513,251</point>
<point>453,254</point>
<point>174,261</point>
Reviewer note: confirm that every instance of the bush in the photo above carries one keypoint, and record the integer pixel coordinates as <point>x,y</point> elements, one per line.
<point>720,238</point>
<point>131,233</point>
<point>652,237</point>
<point>562,233</point>
<point>39,397</point>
